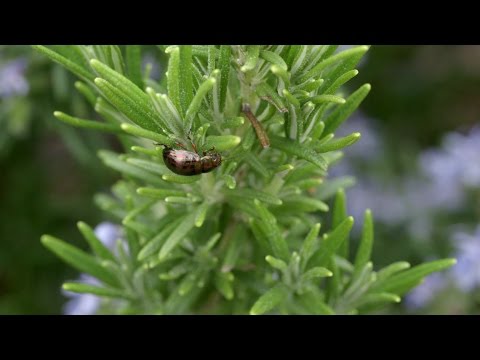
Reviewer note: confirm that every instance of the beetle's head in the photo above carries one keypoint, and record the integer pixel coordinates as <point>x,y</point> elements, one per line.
<point>216,158</point>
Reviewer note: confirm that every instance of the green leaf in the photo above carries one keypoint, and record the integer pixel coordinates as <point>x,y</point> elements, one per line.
<point>342,56</point>
<point>315,304</point>
<point>405,280</point>
<point>95,290</point>
<point>310,244</point>
<point>268,224</point>
<point>229,181</point>
<point>187,223</point>
<point>222,142</point>
<point>153,245</point>
<point>265,92</point>
<point>366,242</point>
<point>257,165</point>
<point>340,81</point>
<point>79,259</point>
<point>319,99</point>
<point>123,84</point>
<point>341,113</point>
<point>356,290</point>
<point>274,59</point>
<point>194,106</point>
<point>290,98</point>
<point>251,58</point>
<point>269,300</point>
<point>179,200</point>
<point>95,244</point>
<point>224,67</point>
<point>276,263</point>
<point>159,193</point>
<point>169,118</point>
<point>282,73</point>
<point>134,64</point>
<point>376,300</point>
<point>233,122</point>
<point>234,247</point>
<point>339,214</point>
<point>201,214</point>
<point>223,283</point>
<point>311,85</point>
<point>137,131</point>
<point>294,148</point>
<point>175,272</point>
<point>109,113</point>
<point>88,124</point>
<point>301,203</point>
<point>337,144</point>
<point>330,187</point>
<point>116,58</point>
<point>334,285</point>
<point>390,270</point>
<point>252,194</point>
<point>86,91</point>
<point>316,272</point>
<point>180,179</point>
<point>111,160</point>
<point>67,63</point>
<point>332,242</point>
<point>187,284</point>
<point>339,208</point>
<point>137,112</point>
<point>180,79</point>
<point>150,166</point>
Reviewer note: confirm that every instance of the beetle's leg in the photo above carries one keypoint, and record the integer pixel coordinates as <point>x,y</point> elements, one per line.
<point>191,142</point>
<point>179,144</point>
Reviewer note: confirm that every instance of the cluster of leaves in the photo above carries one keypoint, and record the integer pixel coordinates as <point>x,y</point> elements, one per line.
<point>244,238</point>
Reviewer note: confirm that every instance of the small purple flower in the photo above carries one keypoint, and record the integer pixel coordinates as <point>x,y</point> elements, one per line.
<point>466,272</point>
<point>420,296</point>
<point>88,304</point>
<point>12,78</point>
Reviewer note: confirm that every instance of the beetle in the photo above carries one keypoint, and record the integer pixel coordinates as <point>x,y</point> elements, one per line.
<point>188,163</point>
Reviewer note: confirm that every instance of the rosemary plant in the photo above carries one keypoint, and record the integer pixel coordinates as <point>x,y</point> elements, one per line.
<point>252,236</point>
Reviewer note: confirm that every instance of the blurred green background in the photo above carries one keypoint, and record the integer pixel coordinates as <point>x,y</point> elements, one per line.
<point>49,171</point>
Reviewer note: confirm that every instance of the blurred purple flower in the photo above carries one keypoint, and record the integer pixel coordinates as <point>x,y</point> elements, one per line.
<point>425,292</point>
<point>88,304</point>
<point>155,73</point>
<point>12,78</point>
<point>452,168</point>
<point>466,272</point>
<point>412,199</point>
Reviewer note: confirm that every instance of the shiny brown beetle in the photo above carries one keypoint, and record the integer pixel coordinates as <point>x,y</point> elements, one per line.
<point>188,163</point>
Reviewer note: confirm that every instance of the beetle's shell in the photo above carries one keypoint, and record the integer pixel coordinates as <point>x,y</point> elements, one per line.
<point>182,162</point>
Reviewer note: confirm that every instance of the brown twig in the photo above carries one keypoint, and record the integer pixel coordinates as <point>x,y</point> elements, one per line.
<point>261,134</point>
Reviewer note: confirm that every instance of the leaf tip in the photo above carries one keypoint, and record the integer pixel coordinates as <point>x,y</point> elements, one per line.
<point>99,81</point>
<point>46,240</point>
<point>81,225</point>
<point>451,261</point>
